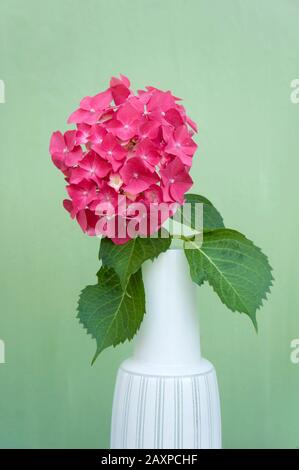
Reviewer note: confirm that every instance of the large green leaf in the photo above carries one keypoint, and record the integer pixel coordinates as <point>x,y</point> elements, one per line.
<point>110,313</point>
<point>211,217</point>
<point>237,270</point>
<point>127,259</point>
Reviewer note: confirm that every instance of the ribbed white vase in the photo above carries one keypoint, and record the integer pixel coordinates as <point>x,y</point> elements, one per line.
<point>166,395</point>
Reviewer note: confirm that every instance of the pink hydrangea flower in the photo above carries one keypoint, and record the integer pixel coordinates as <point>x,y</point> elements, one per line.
<point>91,108</point>
<point>136,176</point>
<point>181,145</point>
<point>127,152</point>
<point>176,181</point>
<point>126,123</point>
<point>65,153</point>
<point>91,167</point>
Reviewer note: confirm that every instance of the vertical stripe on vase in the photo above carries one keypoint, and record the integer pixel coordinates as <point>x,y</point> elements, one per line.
<point>141,407</point>
<point>163,407</point>
<point>126,411</point>
<point>181,414</point>
<point>195,423</point>
<point>178,414</point>
<point>198,399</point>
<point>143,414</point>
<point>196,412</point>
<point>217,407</point>
<point>209,410</point>
<point>159,413</point>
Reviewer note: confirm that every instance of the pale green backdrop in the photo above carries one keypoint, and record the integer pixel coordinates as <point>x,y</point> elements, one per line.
<point>232,61</point>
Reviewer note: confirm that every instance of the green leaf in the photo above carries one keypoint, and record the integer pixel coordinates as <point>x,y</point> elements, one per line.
<point>211,217</point>
<point>110,313</point>
<point>237,270</point>
<point>127,259</point>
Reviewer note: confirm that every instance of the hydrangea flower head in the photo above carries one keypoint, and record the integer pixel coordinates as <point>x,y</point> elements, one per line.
<point>127,150</point>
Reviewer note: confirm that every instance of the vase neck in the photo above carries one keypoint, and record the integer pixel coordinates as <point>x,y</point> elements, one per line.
<point>169,333</point>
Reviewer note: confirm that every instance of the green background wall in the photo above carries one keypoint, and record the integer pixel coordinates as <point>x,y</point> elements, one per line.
<point>232,61</point>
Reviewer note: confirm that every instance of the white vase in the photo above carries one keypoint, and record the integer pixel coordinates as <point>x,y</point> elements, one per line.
<point>166,395</point>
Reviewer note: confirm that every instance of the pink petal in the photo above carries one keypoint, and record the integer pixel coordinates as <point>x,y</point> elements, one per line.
<point>153,194</point>
<point>136,186</point>
<point>189,147</point>
<point>148,153</point>
<point>127,114</point>
<point>82,220</point>
<point>176,181</point>
<point>132,168</point>
<point>120,93</point>
<point>77,117</point>
<point>86,103</point>
<point>149,129</point>
<point>113,125</point>
<point>136,176</point>
<point>87,221</point>
<point>116,164</point>
<point>161,100</point>
<point>58,160</point>
<point>101,100</point>
<point>70,139</point>
<point>136,103</point>
<point>57,143</point>
<point>97,134</point>
<point>83,133</point>
<point>77,175</point>
<point>123,80</point>
<point>144,96</point>
<point>102,167</point>
<point>111,150</point>
<point>174,118</point>
<point>68,205</point>
<point>167,133</point>
<point>123,132</point>
<point>91,117</point>
<point>82,194</point>
<point>72,158</point>
<point>185,159</point>
<point>181,134</point>
<point>178,190</point>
